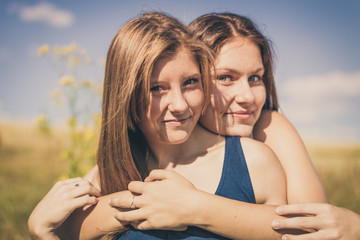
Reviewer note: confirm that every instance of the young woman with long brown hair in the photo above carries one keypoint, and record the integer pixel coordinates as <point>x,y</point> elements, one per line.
<point>236,90</point>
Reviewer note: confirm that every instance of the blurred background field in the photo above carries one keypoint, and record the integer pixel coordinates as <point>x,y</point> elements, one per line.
<point>31,161</point>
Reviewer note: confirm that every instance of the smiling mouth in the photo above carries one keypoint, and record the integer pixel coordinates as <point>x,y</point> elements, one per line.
<point>176,122</point>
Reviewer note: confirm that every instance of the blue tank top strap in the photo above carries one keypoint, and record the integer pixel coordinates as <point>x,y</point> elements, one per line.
<point>235,181</point>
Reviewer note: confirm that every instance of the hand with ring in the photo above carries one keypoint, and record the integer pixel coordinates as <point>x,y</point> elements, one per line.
<point>63,198</point>
<point>132,205</point>
<point>164,201</point>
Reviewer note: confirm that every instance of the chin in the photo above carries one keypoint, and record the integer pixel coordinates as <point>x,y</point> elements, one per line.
<point>243,131</point>
<point>177,139</point>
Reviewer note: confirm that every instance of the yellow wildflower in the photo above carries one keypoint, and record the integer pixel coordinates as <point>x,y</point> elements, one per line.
<point>67,80</point>
<point>40,119</point>
<point>65,49</point>
<point>69,48</point>
<point>72,121</point>
<point>86,83</point>
<point>43,49</point>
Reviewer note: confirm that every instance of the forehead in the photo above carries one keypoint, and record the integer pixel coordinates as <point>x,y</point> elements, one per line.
<point>182,62</point>
<point>239,52</point>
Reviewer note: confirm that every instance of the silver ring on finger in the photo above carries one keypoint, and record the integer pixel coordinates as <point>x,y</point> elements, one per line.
<point>132,205</point>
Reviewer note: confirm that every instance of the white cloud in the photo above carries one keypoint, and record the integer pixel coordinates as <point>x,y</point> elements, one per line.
<point>44,12</point>
<point>323,104</point>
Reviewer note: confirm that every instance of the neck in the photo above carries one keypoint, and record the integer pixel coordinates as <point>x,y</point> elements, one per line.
<point>167,156</point>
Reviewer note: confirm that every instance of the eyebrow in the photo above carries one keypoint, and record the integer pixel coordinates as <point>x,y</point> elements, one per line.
<point>193,75</point>
<point>259,70</point>
<point>234,71</point>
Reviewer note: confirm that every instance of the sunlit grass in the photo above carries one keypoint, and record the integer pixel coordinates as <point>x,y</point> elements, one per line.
<point>339,169</point>
<point>30,164</point>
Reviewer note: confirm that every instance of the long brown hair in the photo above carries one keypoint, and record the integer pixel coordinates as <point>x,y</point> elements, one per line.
<point>131,57</point>
<point>217,29</point>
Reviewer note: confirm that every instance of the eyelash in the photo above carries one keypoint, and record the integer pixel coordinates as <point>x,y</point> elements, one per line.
<point>224,76</point>
<point>191,81</point>
<point>188,82</point>
<point>229,78</point>
<point>155,89</point>
<point>258,78</point>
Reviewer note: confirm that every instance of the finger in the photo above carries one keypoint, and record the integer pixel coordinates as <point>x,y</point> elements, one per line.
<point>308,236</point>
<point>65,182</point>
<point>296,223</point>
<point>302,208</point>
<point>126,202</point>
<point>82,188</point>
<point>130,216</point>
<point>181,228</point>
<point>136,187</point>
<point>82,201</point>
<point>157,175</point>
<point>71,180</point>
<point>142,225</point>
<point>91,189</point>
<point>145,225</point>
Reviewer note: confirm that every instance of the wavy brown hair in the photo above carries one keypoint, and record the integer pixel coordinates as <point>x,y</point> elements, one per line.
<point>217,29</point>
<point>131,57</point>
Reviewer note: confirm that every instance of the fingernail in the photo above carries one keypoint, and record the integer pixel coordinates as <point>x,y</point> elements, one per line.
<point>284,237</point>
<point>275,224</point>
<point>110,201</point>
<point>279,210</point>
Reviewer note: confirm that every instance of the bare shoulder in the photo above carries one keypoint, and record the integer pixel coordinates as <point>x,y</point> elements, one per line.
<point>273,124</point>
<point>303,183</point>
<point>257,151</point>
<point>266,173</point>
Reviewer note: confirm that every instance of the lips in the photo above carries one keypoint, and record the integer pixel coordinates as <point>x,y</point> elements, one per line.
<point>174,121</point>
<point>239,114</point>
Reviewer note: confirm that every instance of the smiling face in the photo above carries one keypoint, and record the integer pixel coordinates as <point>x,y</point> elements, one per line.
<point>238,92</point>
<point>176,99</point>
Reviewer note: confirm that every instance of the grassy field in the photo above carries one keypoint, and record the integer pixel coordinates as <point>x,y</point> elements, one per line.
<point>31,163</point>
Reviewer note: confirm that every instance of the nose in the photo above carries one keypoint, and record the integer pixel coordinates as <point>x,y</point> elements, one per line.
<point>177,103</point>
<point>243,93</point>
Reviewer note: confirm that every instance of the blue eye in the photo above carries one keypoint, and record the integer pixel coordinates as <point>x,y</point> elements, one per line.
<point>224,78</point>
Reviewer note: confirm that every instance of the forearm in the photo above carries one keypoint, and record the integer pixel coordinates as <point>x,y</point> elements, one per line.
<point>234,219</point>
<point>42,235</point>
<point>94,222</point>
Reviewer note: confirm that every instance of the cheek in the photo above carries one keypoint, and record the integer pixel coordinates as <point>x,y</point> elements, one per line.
<point>220,98</point>
<point>195,99</point>
<point>260,96</point>
<point>154,109</point>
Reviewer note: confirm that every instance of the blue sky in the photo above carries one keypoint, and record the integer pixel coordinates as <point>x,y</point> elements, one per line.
<point>316,43</point>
